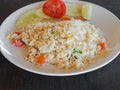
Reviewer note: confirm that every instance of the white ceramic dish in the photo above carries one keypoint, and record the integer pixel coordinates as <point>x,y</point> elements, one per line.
<point>102,18</point>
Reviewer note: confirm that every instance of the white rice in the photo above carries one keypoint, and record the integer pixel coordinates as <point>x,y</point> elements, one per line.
<point>65,44</point>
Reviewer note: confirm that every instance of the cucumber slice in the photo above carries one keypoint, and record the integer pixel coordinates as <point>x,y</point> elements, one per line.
<point>30,17</point>
<point>86,12</point>
<point>73,10</point>
<point>40,13</point>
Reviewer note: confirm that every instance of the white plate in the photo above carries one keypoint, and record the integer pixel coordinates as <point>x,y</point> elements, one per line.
<point>102,18</point>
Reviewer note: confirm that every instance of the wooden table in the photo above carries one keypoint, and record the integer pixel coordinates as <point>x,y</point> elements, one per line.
<point>14,78</point>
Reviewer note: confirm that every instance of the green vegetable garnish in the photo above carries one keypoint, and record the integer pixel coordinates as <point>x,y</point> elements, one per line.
<point>86,11</point>
<point>73,10</point>
<point>77,51</point>
<point>54,33</point>
<point>80,52</point>
<point>75,57</point>
<point>32,16</point>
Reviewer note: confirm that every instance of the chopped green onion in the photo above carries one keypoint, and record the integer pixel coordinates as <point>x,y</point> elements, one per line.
<point>75,57</point>
<point>77,51</point>
<point>80,52</point>
<point>54,33</point>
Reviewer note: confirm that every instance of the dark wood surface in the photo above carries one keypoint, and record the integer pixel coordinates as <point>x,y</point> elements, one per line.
<point>14,78</point>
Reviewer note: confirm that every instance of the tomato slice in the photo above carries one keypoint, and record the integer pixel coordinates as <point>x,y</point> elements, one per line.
<point>18,43</point>
<point>54,8</point>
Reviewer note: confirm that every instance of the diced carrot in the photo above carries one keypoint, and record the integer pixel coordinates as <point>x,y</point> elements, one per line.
<point>81,18</point>
<point>103,45</point>
<point>18,33</point>
<point>41,59</point>
<point>65,18</point>
<point>69,18</point>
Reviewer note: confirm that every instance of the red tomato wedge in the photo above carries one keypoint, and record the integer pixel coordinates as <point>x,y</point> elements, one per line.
<point>54,8</point>
<point>18,43</point>
<point>41,59</point>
